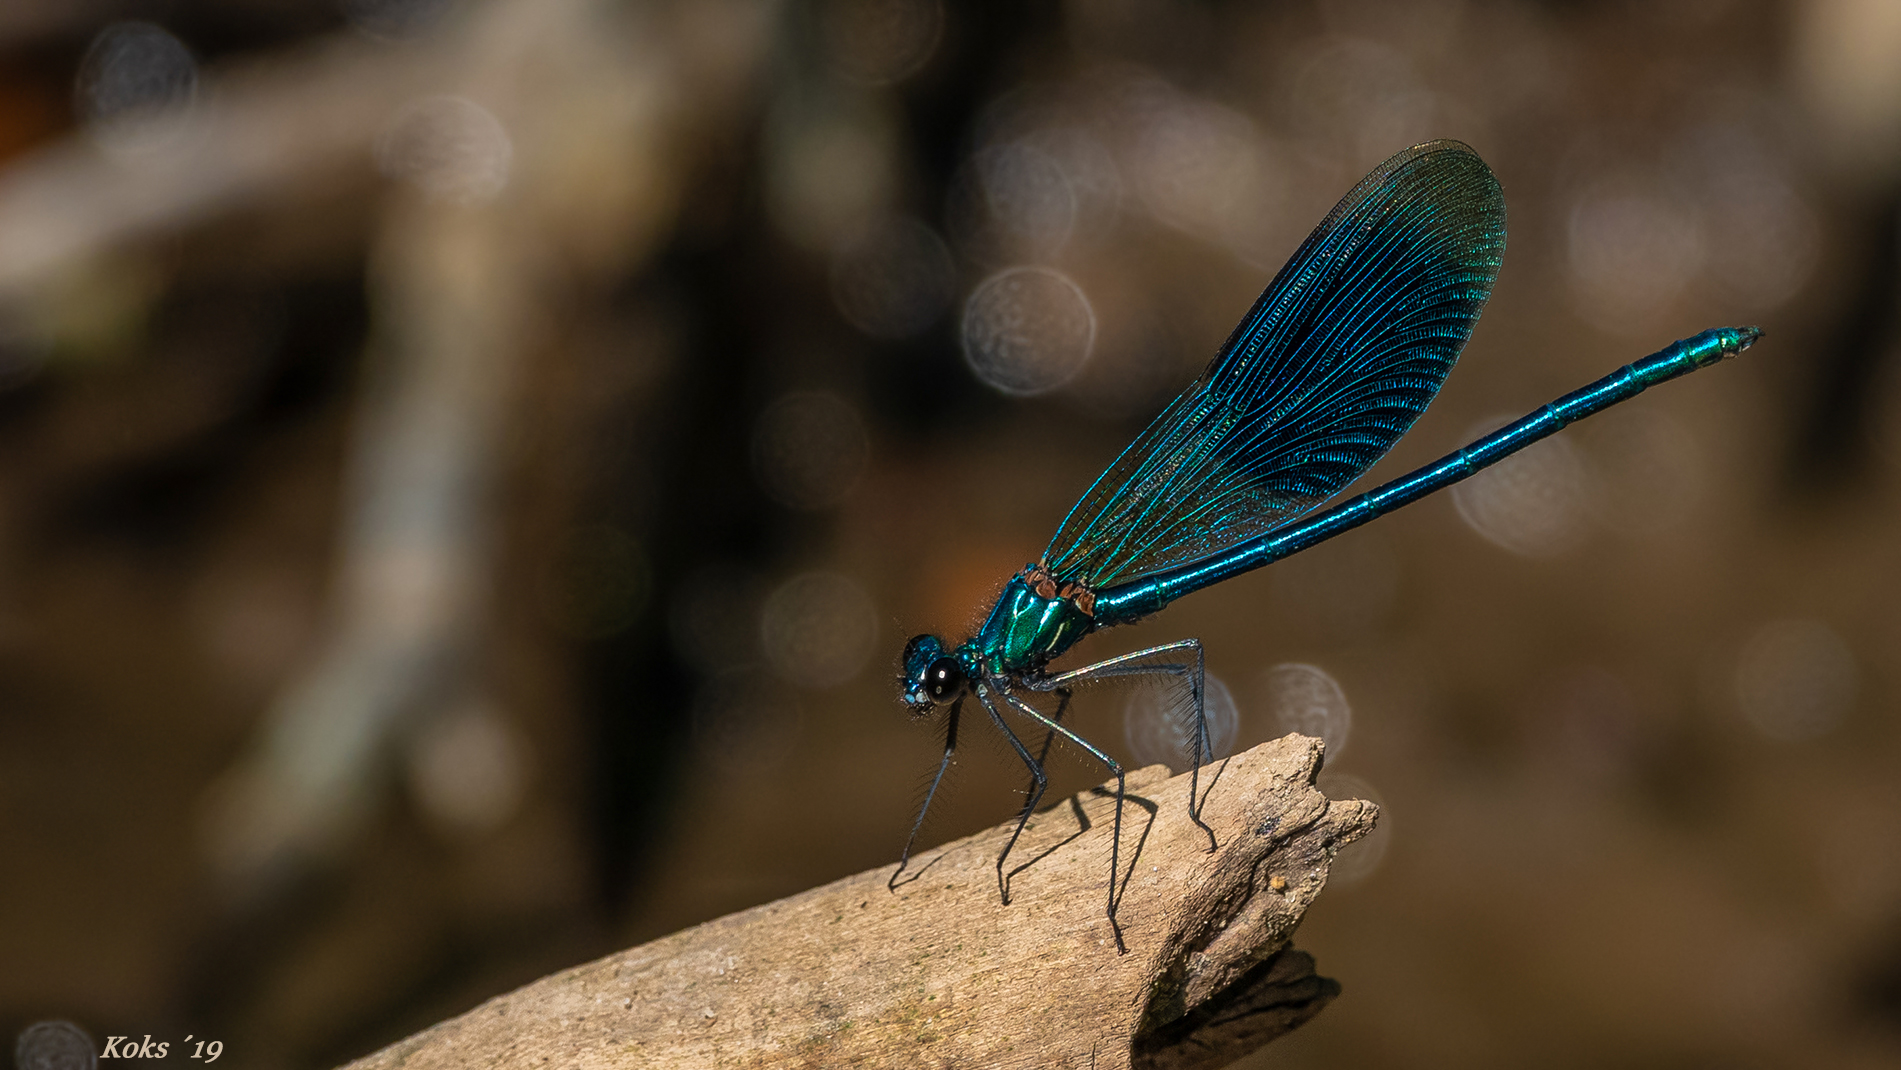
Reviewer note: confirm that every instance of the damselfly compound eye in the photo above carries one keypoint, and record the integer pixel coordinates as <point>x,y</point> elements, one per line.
<point>944,679</point>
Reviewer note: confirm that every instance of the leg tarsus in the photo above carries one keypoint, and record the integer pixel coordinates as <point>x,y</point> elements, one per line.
<point>1115,844</point>
<point>1131,665</point>
<point>1032,794</point>
<point>950,748</point>
<point>1038,781</point>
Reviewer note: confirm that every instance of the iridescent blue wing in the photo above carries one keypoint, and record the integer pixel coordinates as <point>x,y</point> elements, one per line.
<point>1338,357</point>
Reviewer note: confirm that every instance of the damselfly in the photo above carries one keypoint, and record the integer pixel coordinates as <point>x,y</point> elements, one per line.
<point>1337,358</point>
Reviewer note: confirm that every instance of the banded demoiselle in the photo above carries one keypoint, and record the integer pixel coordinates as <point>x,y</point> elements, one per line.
<point>1337,358</point>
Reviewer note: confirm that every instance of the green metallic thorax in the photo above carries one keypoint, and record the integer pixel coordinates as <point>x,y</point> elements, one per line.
<point>1025,630</point>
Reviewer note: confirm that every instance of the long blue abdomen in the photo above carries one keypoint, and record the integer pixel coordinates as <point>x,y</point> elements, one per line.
<point>1124,603</point>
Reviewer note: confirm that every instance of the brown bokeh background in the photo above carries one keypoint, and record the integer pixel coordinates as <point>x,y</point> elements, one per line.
<point>467,468</point>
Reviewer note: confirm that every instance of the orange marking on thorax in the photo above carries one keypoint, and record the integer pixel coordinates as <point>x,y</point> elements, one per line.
<point>1043,582</point>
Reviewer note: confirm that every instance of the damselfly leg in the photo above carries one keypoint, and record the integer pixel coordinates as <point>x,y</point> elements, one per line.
<point>1038,779</point>
<point>1115,842</point>
<point>950,748</point>
<point>1138,664</point>
<point>1033,794</point>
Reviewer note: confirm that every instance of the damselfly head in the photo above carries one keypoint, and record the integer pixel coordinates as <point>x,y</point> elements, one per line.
<point>931,676</point>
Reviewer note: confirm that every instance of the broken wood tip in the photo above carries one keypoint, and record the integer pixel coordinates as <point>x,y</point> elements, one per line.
<point>940,971</point>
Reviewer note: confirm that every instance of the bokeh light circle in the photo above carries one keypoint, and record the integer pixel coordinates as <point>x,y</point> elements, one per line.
<point>450,148</point>
<point>881,41</point>
<point>133,75</point>
<point>1027,195</point>
<point>1534,503</point>
<point>54,1045</point>
<point>817,629</point>
<point>1305,699</point>
<point>893,279</point>
<point>1360,859</point>
<point>1028,330</point>
<point>1159,723</point>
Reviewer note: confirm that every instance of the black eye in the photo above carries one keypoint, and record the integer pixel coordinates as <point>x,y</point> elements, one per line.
<point>944,679</point>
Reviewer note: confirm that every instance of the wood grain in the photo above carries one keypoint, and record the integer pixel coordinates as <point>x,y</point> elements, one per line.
<point>941,972</point>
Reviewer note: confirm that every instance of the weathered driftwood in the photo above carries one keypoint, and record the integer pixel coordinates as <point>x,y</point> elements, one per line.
<point>942,973</point>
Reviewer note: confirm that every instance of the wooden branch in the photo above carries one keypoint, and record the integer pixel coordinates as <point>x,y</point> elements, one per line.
<point>272,130</point>
<point>942,973</point>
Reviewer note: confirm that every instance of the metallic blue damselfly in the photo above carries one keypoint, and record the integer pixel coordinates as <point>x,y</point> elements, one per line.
<point>1337,358</point>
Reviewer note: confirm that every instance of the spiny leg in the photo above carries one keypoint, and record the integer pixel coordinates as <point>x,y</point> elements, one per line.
<point>1115,844</point>
<point>1032,794</point>
<point>1132,665</point>
<point>950,748</point>
<point>1049,737</point>
<point>1038,779</point>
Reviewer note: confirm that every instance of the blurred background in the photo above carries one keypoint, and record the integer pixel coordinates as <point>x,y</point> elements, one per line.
<point>468,468</point>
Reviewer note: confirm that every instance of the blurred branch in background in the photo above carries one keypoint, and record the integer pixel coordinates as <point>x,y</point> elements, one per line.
<point>531,155</point>
<point>461,290</point>
<point>494,201</point>
<point>167,149</point>
<point>1847,70</point>
<point>470,464</point>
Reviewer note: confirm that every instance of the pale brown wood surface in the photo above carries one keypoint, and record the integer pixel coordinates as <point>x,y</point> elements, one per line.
<point>942,973</point>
